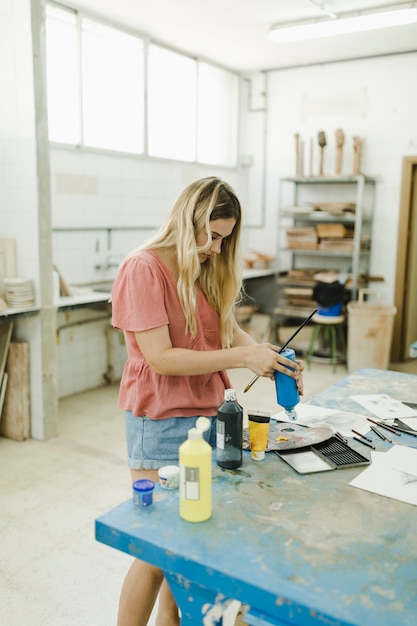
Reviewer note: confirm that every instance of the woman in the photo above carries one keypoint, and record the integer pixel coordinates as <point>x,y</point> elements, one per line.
<point>174,299</point>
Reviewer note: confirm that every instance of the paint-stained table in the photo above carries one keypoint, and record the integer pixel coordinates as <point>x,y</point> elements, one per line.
<point>298,549</point>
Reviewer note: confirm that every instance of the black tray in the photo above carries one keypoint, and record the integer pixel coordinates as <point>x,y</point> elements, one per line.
<point>329,455</point>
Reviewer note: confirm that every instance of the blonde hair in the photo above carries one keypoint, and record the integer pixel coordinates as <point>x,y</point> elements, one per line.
<point>203,201</point>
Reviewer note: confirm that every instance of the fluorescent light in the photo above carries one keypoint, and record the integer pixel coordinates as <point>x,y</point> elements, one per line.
<point>300,31</point>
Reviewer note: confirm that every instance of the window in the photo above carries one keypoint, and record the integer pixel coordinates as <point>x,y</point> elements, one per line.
<point>62,76</point>
<point>112,87</point>
<point>96,94</point>
<point>218,92</point>
<point>172,104</point>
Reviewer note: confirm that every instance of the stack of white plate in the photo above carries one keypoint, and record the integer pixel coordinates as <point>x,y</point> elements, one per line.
<point>19,292</point>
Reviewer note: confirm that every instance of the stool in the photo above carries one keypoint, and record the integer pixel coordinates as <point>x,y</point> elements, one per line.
<point>329,327</point>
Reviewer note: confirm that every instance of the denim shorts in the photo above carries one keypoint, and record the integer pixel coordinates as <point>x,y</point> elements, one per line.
<point>151,444</point>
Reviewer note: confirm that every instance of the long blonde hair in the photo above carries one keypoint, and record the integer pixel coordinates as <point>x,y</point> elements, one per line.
<point>203,201</point>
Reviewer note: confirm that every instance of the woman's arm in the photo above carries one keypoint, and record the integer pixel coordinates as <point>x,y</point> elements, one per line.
<point>164,359</point>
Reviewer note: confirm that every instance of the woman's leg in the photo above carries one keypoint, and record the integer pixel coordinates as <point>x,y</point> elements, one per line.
<point>142,585</point>
<point>167,607</point>
<point>139,592</point>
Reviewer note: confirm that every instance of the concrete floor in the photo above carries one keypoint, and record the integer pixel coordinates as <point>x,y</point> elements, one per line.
<point>52,571</point>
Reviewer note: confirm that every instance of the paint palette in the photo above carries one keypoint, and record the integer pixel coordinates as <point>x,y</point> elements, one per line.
<point>287,436</point>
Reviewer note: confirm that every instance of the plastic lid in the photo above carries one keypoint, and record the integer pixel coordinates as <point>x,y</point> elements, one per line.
<point>229,395</point>
<point>195,433</point>
<point>168,470</point>
<point>143,485</point>
<point>202,424</point>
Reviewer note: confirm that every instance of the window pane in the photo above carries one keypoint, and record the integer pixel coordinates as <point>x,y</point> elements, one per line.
<point>218,93</point>
<point>172,91</point>
<point>113,93</point>
<point>62,76</point>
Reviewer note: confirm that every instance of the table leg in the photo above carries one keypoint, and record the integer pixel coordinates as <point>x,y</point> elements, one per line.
<point>198,605</point>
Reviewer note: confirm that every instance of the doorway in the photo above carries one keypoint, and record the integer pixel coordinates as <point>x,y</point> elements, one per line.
<point>405,322</point>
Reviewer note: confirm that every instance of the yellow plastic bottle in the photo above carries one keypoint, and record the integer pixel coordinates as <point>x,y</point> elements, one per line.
<point>195,460</point>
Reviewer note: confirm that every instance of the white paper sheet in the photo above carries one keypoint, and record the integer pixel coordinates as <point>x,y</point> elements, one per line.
<point>392,474</point>
<point>338,421</point>
<point>387,408</point>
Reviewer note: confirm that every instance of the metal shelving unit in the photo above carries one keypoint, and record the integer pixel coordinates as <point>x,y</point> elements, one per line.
<point>307,191</point>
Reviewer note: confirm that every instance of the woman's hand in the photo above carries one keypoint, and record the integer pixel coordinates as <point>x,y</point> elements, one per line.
<point>264,359</point>
<point>300,381</point>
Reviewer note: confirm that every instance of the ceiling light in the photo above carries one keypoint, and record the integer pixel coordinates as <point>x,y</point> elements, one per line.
<point>344,23</point>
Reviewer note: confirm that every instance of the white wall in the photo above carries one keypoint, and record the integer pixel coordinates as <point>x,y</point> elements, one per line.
<point>375,99</point>
<point>105,194</point>
<point>18,181</point>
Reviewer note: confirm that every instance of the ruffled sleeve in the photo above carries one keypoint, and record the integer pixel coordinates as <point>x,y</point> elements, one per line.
<point>138,301</point>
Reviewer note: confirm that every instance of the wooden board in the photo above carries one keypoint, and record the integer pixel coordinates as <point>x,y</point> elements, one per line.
<point>5,336</point>
<point>15,417</point>
<point>3,387</point>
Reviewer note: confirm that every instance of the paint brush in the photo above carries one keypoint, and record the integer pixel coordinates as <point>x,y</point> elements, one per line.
<point>360,435</point>
<point>380,435</point>
<point>383,426</point>
<point>255,378</point>
<point>364,443</point>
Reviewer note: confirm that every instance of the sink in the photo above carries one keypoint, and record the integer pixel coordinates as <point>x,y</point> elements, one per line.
<point>102,286</point>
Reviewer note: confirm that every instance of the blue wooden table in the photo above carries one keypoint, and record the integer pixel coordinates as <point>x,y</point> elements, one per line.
<point>298,549</point>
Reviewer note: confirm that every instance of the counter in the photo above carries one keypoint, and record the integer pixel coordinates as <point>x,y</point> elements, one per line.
<point>81,300</point>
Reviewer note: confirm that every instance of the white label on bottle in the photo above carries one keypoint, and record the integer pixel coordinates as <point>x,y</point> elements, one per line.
<point>192,483</point>
<point>220,435</point>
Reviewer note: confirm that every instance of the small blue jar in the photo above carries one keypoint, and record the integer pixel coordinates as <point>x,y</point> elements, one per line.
<point>143,492</point>
<point>286,388</point>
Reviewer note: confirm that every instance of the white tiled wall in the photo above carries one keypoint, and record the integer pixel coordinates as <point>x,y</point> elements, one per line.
<point>90,352</point>
<point>122,193</point>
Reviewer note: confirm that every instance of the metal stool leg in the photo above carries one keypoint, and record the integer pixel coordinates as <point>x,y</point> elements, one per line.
<point>342,341</point>
<point>333,351</point>
<point>312,343</point>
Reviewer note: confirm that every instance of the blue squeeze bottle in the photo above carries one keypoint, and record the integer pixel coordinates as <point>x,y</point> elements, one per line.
<point>286,388</point>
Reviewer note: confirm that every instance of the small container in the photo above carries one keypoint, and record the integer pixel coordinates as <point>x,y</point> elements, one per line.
<point>330,311</point>
<point>259,423</point>
<point>143,492</point>
<point>169,476</point>
<point>286,388</point>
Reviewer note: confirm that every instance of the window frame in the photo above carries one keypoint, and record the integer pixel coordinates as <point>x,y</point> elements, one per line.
<point>147,42</point>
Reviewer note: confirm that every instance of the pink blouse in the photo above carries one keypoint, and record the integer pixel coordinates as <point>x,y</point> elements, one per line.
<point>144,296</point>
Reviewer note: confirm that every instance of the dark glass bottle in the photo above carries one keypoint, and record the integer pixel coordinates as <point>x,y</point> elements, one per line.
<point>229,431</point>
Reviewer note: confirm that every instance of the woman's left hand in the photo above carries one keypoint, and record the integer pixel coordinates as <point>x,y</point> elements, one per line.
<point>300,382</point>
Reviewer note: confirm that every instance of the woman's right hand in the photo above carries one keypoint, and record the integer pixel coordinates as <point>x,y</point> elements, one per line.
<point>264,359</point>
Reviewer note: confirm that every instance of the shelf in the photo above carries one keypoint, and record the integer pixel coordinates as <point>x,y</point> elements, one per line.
<point>293,282</point>
<point>293,311</point>
<point>326,180</point>
<point>19,312</point>
<point>338,253</point>
<point>322,216</point>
